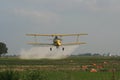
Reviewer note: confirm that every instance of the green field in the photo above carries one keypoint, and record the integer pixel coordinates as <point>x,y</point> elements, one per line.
<point>72,68</point>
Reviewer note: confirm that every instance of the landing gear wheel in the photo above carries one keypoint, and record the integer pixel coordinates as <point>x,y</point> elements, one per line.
<point>63,48</point>
<point>50,49</point>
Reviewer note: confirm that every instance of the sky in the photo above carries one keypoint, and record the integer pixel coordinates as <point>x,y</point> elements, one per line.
<point>99,18</point>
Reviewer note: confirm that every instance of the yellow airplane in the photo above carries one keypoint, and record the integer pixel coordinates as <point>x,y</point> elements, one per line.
<point>57,41</point>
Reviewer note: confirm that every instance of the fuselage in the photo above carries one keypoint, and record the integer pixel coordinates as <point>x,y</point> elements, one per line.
<point>57,41</point>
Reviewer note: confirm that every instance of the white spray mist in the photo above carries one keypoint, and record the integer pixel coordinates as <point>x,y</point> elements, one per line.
<point>45,53</point>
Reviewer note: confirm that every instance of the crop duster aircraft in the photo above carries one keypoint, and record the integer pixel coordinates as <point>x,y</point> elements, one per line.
<point>57,41</point>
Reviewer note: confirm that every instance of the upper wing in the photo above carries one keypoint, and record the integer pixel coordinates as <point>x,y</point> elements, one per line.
<point>48,44</point>
<point>71,34</point>
<point>55,34</point>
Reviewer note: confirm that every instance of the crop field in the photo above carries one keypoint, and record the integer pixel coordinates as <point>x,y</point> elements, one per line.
<point>72,68</point>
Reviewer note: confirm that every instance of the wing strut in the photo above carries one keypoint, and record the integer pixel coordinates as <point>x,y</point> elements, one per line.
<point>35,39</point>
<point>77,40</point>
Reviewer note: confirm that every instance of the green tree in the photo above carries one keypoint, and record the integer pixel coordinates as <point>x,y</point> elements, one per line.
<point>3,48</point>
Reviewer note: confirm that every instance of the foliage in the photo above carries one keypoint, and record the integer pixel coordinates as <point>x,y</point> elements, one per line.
<point>9,75</point>
<point>33,75</point>
<point>3,48</point>
<point>24,75</point>
<point>57,75</point>
<point>73,68</point>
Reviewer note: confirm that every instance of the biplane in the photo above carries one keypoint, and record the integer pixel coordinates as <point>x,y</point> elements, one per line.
<point>57,40</point>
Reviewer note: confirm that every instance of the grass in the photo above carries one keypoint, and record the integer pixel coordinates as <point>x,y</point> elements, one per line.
<point>108,68</point>
<point>57,75</point>
<point>9,75</point>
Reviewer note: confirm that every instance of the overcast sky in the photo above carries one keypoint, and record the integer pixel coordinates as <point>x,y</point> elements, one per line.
<point>99,18</point>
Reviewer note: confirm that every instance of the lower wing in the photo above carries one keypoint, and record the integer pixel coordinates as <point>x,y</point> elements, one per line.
<point>42,44</point>
<point>48,44</point>
<point>73,43</point>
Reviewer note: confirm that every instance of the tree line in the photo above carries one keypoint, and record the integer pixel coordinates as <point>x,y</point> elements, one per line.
<point>3,48</point>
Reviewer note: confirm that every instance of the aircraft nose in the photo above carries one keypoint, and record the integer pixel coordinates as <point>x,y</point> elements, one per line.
<point>59,42</point>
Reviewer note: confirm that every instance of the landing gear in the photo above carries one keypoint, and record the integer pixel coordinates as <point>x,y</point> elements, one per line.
<point>57,48</point>
<point>63,48</point>
<point>50,49</point>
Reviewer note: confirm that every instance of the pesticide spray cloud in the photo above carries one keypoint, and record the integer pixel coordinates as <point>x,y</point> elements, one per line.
<point>45,53</point>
